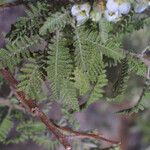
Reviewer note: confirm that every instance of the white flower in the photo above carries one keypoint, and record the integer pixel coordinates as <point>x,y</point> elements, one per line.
<point>112,6</point>
<point>81,13</point>
<point>75,10</point>
<point>85,7</point>
<point>139,8</point>
<point>141,5</point>
<point>118,5</point>
<point>112,16</point>
<point>81,19</point>
<point>124,8</point>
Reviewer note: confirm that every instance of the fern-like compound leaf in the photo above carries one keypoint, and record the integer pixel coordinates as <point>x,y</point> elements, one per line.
<point>30,128</point>
<point>30,79</point>
<point>98,90</point>
<point>81,81</point>
<point>80,50</point>
<point>30,24</point>
<point>45,141</point>
<point>5,127</point>
<point>121,83</point>
<point>59,63</point>
<point>87,57</point>
<point>55,22</point>
<point>134,109</point>
<point>68,96</point>
<point>103,29</point>
<point>137,66</point>
<point>111,48</point>
<point>14,52</point>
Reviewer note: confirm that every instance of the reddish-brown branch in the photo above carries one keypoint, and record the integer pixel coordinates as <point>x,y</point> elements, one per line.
<point>81,135</point>
<point>33,108</point>
<point>11,4</point>
<point>64,135</point>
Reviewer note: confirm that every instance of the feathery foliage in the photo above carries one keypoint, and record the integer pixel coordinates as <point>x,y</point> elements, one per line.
<point>98,91</point>
<point>120,86</point>
<point>88,43</point>
<point>59,63</point>
<point>29,25</point>
<point>49,51</point>
<point>45,142</point>
<point>81,81</point>
<point>15,51</point>
<point>137,66</point>
<point>55,22</point>
<point>5,127</point>
<point>31,79</point>
<point>68,96</point>
<point>104,26</point>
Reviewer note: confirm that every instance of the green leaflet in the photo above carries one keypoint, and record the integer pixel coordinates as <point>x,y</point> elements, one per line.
<point>46,142</point>
<point>88,57</point>
<point>15,51</point>
<point>137,66</point>
<point>30,24</point>
<point>31,128</point>
<point>68,96</point>
<point>59,63</point>
<point>81,81</point>
<point>120,84</point>
<point>98,91</point>
<point>5,127</point>
<point>80,50</point>
<point>103,29</point>
<point>55,22</point>
<point>31,79</point>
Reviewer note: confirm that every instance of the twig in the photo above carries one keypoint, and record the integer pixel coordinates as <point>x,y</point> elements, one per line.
<point>11,4</point>
<point>81,135</point>
<point>6,102</point>
<point>33,108</point>
<point>146,83</point>
<point>64,135</point>
<point>129,110</point>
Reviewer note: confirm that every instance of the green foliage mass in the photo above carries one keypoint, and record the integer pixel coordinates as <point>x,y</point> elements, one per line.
<point>57,60</point>
<point>5,127</point>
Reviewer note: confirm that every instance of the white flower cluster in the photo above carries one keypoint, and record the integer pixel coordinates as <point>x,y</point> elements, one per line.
<point>141,5</point>
<point>114,10</point>
<point>81,12</point>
